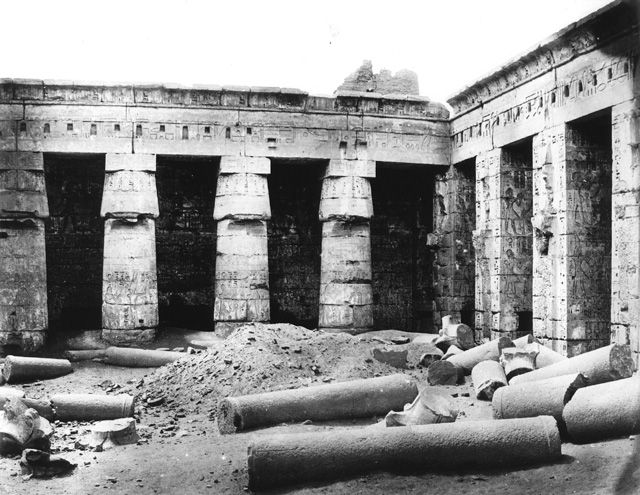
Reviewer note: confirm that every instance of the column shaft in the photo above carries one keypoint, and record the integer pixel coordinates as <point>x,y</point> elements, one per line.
<point>129,283</point>
<point>23,269</point>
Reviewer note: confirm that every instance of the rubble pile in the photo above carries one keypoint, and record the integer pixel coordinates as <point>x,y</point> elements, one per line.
<point>261,358</point>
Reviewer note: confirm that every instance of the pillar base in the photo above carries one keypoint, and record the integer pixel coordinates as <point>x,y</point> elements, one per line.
<point>28,341</point>
<point>129,337</point>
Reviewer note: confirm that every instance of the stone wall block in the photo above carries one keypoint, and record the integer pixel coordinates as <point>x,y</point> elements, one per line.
<point>22,189</point>
<point>345,198</point>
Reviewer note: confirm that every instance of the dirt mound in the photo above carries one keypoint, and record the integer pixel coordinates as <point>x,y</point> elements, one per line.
<point>260,358</point>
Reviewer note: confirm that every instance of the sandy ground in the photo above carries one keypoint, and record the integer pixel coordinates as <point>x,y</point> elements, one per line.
<point>183,453</point>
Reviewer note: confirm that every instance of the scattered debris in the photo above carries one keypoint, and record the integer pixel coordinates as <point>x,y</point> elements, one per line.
<point>38,464</point>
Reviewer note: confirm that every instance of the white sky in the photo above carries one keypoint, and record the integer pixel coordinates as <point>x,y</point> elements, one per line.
<point>312,46</point>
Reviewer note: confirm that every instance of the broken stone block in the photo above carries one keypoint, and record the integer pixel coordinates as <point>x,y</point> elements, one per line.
<point>433,405</point>
<point>445,373</point>
<point>518,360</point>
<point>392,357</point>
<point>22,427</point>
<point>108,434</point>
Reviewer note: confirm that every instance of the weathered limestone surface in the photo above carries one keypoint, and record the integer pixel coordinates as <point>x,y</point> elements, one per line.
<point>23,272</point>
<point>503,241</point>
<point>242,210</point>
<point>129,283</point>
<point>346,207</point>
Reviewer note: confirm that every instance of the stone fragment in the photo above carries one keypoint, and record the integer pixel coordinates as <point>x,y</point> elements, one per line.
<point>39,464</point>
<point>432,405</point>
<point>108,434</point>
<point>22,427</point>
<point>444,373</point>
<point>487,376</point>
<point>518,360</point>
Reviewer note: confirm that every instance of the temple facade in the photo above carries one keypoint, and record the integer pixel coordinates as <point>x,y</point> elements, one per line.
<point>125,206</point>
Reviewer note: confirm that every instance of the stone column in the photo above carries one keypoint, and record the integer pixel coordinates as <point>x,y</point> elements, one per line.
<point>346,208</point>
<point>625,263</point>
<point>503,241</point>
<point>242,263</point>
<point>129,283</point>
<point>23,266</point>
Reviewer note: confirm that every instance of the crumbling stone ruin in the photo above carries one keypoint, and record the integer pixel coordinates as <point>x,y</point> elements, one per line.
<point>125,205</point>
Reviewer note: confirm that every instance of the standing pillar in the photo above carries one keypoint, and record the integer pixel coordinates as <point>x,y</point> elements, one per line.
<point>625,263</point>
<point>503,242</point>
<point>572,256</point>
<point>23,267</point>
<point>242,263</point>
<point>346,208</point>
<point>129,283</point>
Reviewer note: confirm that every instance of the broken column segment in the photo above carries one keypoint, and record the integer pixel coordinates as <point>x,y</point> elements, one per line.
<point>518,360</point>
<point>602,365</point>
<point>487,376</point>
<point>23,270</point>
<point>540,398</point>
<point>346,208</point>
<point>242,210</point>
<point>129,283</point>
<point>19,369</point>
<point>345,400</point>
<point>277,460</point>
<point>603,411</point>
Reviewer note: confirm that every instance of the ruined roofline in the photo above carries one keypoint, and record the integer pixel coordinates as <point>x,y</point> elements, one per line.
<point>596,29</point>
<point>214,96</point>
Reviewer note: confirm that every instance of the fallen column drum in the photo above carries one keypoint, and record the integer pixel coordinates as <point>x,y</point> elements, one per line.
<point>345,400</point>
<point>287,459</point>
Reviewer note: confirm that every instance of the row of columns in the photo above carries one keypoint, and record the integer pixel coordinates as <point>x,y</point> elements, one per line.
<point>129,284</point>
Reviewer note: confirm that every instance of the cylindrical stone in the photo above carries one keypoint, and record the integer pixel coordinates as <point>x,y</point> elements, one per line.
<point>540,398</point>
<point>242,272</point>
<point>242,196</point>
<point>345,400</point>
<point>23,283</point>
<point>487,377</point>
<point>91,407</point>
<point>346,293</point>
<point>602,365</point>
<point>129,284</point>
<point>139,358</point>
<point>278,460</point>
<point>606,410</point>
<point>20,368</point>
<point>488,351</point>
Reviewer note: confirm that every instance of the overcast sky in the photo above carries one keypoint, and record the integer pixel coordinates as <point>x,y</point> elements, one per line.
<point>312,46</point>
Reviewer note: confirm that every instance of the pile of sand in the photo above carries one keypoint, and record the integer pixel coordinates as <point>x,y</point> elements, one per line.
<point>260,358</point>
